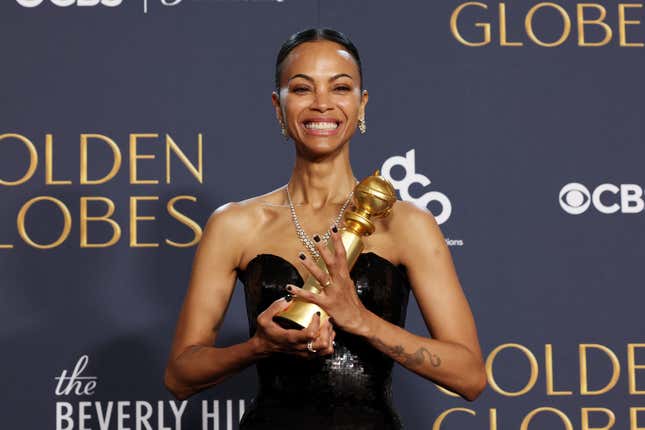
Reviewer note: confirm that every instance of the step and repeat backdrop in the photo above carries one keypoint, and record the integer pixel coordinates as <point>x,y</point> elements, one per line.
<point>125,123</point>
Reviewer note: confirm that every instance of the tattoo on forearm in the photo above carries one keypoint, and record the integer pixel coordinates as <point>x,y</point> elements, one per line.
<point>414,359</point>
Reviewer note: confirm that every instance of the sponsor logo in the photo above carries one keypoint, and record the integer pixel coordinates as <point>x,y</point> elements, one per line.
<point>66,3</point>
<point>114,3</point>
<point>575,198</point>
<point>412,177</point>
<point>76,408</point>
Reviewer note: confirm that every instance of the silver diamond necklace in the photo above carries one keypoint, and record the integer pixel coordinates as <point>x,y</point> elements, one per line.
<point>309,244</point>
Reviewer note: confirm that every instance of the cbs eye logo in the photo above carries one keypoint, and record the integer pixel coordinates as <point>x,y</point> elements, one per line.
<point>66,3</point>
<point>411,177</point>
<point>575,198</point>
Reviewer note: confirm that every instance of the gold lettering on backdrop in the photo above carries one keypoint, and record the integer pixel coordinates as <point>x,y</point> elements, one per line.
<point>90,142</point>
<point>198,172</point>
<point>632,367</point>
<point>116,159</point>
<point>492,419</point>
<point>455,29</point>
<point>527,420</point>
<point>502,28</point>
<point>134,156</point>
<point>584,384</point>
<point>135,217</point>
<point>584,418</point>
<point>528,24</point>
<point>116,229</point>
<point>66,227</point>
<point>548,363</point>
<point>530,420</point>
<point>603,418</point>
<point>437,422</point>
<point>600,21</point>
<point>532,361</point>
<point>170,207</point>
<point>531,30</point>
<point>622,23</point>
<point>633,418</point>
<point>49,163</point>
<point>584,370</point>
<point>33,159</point>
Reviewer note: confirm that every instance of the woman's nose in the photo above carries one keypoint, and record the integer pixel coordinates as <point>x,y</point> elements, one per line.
<point>321,100</point>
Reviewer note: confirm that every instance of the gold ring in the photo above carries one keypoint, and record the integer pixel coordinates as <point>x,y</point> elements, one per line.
<point>327,284</point>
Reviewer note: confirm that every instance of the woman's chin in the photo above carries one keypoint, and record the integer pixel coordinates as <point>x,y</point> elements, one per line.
<point>321,146</point>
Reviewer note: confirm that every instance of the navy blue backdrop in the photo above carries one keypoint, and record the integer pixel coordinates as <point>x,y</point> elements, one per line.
<point>519,125</point>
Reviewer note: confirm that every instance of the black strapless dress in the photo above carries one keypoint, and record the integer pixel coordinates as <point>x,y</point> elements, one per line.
<point>349,389</point>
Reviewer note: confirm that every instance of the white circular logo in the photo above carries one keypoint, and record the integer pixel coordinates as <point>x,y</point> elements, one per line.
<point>574,198</point>
<point>412,177</point>
<point>29,3</point>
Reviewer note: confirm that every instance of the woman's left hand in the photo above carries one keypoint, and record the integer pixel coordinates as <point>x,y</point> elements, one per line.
<point>339,299</point>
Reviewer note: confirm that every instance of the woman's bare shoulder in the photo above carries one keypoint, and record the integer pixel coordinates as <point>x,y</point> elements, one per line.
<point>411,222</point>
<point>416,227</point>
<point>249,207</point>
<point>240,220</point>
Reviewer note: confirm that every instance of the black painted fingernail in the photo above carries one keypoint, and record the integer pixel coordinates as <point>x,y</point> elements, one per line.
<point>302,256</point>
<point>288,287</point>
<point>316,238</point>
<point>288,297</point>
<point>334,229</point>
<point>318,313</point>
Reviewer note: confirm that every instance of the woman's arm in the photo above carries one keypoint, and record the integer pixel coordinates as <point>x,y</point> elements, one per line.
<point>194,363</point>
<point>453,357</point>
<point>450,364</point>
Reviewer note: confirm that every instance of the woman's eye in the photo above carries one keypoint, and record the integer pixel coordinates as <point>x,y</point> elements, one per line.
<point>300,89</point>
<point>343,88</point>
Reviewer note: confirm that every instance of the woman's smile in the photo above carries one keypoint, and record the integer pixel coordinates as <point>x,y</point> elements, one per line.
<point>321,126</point>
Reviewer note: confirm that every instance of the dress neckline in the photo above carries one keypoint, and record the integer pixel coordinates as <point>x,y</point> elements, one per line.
<point>400,268</point>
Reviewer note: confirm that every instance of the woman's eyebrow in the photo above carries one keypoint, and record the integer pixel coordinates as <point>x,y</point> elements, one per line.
<point>309,78</point>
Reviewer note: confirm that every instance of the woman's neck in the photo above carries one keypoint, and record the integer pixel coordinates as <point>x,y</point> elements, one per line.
<point>322,182</point>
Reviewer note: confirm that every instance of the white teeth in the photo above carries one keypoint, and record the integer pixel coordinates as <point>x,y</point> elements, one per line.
<point>321,125</point>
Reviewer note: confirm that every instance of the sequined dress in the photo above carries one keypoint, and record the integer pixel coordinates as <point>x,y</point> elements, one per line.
<point>349,389</point>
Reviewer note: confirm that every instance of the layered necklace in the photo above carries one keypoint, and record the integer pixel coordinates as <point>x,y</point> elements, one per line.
<point>309,243</point>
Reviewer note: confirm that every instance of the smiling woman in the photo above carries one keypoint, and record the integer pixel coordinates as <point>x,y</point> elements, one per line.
<point>322,94</point>
<point>336,373</point>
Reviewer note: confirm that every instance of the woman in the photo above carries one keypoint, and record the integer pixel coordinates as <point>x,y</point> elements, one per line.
<point>336,373</point>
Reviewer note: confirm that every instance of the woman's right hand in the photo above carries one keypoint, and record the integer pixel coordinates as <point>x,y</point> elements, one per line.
<point>273,338</point>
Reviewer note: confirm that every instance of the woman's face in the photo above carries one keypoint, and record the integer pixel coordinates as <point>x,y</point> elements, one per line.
<point>320,100</point>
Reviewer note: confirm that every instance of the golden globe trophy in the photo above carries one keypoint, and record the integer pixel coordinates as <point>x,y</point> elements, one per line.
<point>373,197</point>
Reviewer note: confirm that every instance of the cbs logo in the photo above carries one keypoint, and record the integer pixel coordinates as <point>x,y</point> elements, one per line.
<point>411,177</point>
<point>575,198</point>
<point>65,3</point>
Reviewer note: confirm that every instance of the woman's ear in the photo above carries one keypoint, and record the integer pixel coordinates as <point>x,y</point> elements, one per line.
<point>364,98</point>
<point>275,100</point>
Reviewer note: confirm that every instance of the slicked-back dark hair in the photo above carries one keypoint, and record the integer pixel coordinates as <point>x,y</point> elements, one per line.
<point>313,34</point>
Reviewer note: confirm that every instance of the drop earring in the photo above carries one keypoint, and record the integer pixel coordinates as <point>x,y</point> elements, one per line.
<point>283,130</point>
<point>362,126</point>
